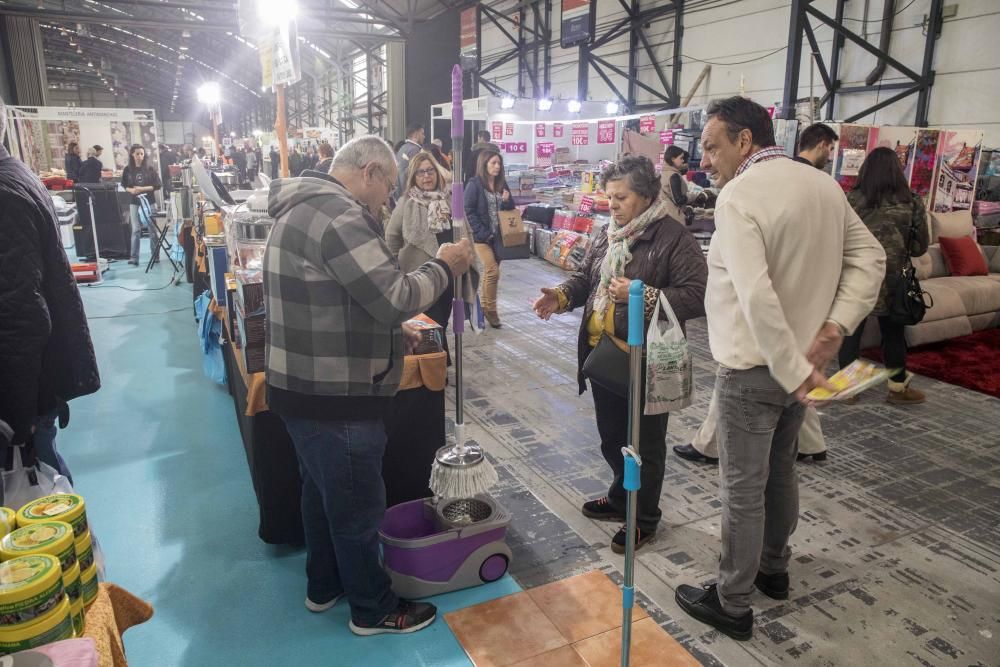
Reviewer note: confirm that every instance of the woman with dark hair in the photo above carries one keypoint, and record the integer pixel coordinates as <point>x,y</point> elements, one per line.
<point>486,194</point>
<point>139,179</point>
<point>73,161</point>
<point>642,243</point>
<point>674,189</point>
<point>883,201</point>
<point>442,161</point>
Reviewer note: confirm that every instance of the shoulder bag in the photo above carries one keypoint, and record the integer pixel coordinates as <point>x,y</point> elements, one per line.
<point>908,303</point>
<point>607,366</point>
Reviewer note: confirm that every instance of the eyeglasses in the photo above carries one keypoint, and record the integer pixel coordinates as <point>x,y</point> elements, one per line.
<point>427,172</point>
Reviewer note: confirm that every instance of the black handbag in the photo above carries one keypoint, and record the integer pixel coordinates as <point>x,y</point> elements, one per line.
<point>607,366</point>
<point>908,301</point>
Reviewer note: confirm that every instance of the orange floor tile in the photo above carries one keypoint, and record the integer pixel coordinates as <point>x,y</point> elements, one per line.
<point>651,647</point>
<point>583,606</point>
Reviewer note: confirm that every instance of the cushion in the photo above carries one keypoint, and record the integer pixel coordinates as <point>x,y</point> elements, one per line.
<point>995,259</point>
<point>963,256</point>
<point>953,224</point>
<point>946,301</point>
<point>936,331</point>
<point>930,264</point>
<point>979,294</point>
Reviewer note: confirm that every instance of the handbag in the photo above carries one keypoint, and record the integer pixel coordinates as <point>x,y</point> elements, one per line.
<point>669,384</point>
<point>909,302</point>
<point>607,366</point>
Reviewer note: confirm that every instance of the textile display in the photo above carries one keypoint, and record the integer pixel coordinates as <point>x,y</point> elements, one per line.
<point>924,160</point>
<point>958,157</point>
<point>901,140</point>
<point>851,153</point>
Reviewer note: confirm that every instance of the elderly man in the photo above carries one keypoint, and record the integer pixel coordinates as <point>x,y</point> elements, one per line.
<point>46,355</point>
<point>336,300</point>
<point>791,268</point>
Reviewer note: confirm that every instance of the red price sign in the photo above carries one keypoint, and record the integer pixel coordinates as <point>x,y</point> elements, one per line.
<point>510,129</point>
<point>647,124</point>
<point>605,131</point>
<point>557,129</point>
<point>666,137</point>
<point>539,129</point>
<point>545,149</point>
<point>586,205</point>
<point>497,129</point>
<point>516,147</point>
<point>581,134</point>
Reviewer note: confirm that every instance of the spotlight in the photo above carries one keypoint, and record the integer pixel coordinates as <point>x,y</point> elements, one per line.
<point>90,63</point>
<point>574,106</point>
<point>507,102</point>
<point>209,94</point>
<point>232,134</point>
<point>544,104</point>
<point>612,108</point>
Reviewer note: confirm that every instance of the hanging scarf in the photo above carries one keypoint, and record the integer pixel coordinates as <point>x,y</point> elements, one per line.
<point>620,240</point>
<point>438,208</point>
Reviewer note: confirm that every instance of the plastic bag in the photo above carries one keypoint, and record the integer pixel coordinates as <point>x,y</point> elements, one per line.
<point>668,363</point>
<point>210,332</point>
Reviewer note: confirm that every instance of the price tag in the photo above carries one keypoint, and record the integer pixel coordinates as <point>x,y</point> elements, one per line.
<point>666,137</point>
<point>557,129</point>
<point>510,130</point>
<point>497,130</point>
<point>605,131</point>
<point>586,205</point>
<point>647,124</point>
<point>539,129</point>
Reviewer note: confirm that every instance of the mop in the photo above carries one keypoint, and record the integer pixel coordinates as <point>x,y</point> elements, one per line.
<point>459,471</point>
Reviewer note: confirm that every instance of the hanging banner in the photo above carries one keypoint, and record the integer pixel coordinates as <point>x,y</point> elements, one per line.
<point>577,23</point>
<point>284,45</point>
<point>666,137</point>
<point>468,39</point>
<point>515,147</point>
<point>539,129</point>
<point>581,134</point>
<point>497,129</point>
<point>545,149</point>
<point>647,124</point>
<point>557,129</point>
<point>605,131</point>
<point>509,130</point>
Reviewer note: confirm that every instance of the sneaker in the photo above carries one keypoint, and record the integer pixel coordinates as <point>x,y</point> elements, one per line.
<point>319,608</point>
<point>703,604</point>
<point>618,541</point>
<point>774,586</point>
<point>601,510</point>
<point>407,617</point>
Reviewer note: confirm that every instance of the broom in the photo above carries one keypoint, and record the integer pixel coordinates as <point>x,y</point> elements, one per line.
<point>459,471</point>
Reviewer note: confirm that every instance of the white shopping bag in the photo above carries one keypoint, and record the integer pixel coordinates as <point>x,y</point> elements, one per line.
<point>668,363</point>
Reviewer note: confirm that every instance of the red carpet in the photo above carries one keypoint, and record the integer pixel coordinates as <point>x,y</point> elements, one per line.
<point>971,361</point>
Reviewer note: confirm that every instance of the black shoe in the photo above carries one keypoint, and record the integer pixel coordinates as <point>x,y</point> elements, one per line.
<point>618,541</point>
<point>818,456</point>
<point>689,453</point>
<point>601,510</point>
<point>407,617</point>
<point>703,604</point>
<point>774,586</point>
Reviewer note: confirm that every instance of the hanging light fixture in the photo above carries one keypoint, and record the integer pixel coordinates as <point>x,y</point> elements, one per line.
<point>611,108</point>
<point>507,102</point>
<point>574,106</point>
<point>544,104</point>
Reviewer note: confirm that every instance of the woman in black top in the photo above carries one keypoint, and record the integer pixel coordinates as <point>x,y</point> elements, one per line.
<point>139,179</point>
<point>73,161</point>
<point>486,194</point>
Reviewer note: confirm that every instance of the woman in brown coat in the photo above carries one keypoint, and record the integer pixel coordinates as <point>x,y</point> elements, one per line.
<point>642,243</point>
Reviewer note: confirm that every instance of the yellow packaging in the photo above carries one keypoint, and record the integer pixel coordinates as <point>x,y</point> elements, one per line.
<point>213,224</point>
<point>52,627</point>
<point>88,585</point>
<point>67,507</point>
<point>85,551</point>
<point>77,615</point>
<point>45,537</point>
<point>72,583</point>
<point>8,520</point>
<point>30,586</point>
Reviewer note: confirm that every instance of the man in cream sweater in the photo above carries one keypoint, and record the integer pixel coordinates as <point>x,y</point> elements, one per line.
<point>791,270</point>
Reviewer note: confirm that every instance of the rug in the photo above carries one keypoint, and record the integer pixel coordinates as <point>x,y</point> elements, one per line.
<point>969,361</point>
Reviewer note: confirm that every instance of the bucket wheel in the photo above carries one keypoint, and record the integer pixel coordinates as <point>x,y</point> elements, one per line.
<point>494,567</point>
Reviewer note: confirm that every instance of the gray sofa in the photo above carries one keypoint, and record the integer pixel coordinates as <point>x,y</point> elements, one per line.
<point>962,305</point>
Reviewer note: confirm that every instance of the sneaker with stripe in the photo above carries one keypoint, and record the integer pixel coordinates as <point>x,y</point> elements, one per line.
<point>407,617</point>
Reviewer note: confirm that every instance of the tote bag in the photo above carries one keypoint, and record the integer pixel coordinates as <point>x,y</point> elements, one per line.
<point>668,363</point>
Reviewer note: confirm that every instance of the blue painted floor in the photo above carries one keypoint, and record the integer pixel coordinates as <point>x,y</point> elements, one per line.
<point>158,457</point>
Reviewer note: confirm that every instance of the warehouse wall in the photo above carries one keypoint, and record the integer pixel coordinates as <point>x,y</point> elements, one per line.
<point>431,52</point>
<point>747,39</point>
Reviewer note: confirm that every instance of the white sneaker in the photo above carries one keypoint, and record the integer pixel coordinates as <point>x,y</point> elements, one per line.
<point>317,608</point>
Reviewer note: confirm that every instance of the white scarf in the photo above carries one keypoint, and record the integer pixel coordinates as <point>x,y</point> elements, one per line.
<point>438,206</point>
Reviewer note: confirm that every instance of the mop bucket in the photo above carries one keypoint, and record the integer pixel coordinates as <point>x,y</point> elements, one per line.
<point>433,546</point>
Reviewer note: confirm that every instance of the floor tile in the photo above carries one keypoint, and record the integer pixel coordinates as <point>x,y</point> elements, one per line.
<point>504,631</point>
<point>651,646</point>
<point>583,606</point>
<point>564,656</point>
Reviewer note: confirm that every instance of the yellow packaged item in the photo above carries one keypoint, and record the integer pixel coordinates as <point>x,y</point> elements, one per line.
<point>77,615</point>
<point>72,583</point>
<point>88,585</point>
<point>85,551</point>
<point>47,537</point>
<point>67,507</point>
<point>8,520</point>
<point>52,627</point>
<point>30,586</point>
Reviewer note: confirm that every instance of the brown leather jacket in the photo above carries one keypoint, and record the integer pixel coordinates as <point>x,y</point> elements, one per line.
<point>666,257</point>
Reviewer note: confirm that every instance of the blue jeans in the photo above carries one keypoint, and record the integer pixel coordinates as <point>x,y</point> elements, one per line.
<point>45,444</point>
<point>343,502</point>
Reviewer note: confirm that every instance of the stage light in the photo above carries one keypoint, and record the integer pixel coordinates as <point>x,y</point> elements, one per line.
<point>574,106</point>
<point>208,93</point>
<point>277,12</point>
<point>612,108</point>
<point>507,102</point>
<point>544,104</point>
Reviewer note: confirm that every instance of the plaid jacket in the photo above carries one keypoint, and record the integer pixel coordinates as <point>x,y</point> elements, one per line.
<point>335,296</point>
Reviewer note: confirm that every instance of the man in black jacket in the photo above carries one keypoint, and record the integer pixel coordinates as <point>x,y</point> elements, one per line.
<point>816,144</point>
<point>46,355</point>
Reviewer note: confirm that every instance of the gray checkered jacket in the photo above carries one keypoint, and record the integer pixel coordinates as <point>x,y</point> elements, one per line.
<point>335,296</point>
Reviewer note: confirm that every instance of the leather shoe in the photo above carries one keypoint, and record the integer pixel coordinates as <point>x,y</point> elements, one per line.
<point>689,453</point>
<point>818,456</point>
<point>774,586</point>
<point>703,604</point>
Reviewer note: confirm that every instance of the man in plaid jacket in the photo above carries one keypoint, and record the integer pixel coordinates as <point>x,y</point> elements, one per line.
<point>336,301</point>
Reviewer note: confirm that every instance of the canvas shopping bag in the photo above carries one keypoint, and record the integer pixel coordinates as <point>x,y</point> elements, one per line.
<point>512,232</point>
<point>668,363</point>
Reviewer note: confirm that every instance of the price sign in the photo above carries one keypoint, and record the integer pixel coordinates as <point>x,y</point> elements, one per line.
<point>605,131</point>
<point>497,129</point>
<point>545,149</point>
<point>581,134</point>
<point>647,124</point>
<point>516,147</point>
<point>666,137</point>
<point>557,129</point>
<point>510,130</point>
<point>586,205</point>
<point>539,129</point>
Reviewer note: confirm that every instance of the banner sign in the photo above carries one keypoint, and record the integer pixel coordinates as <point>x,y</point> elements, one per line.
<point>539,129</point>
<point>605,131</point>
<point>545,149</point>
<point>577,23</point>
<point>647,124</point>
<point>497,128</point>
<point>515,147</point>
<point>586,205</point>
<point>666,137</point>
<point>557,129</point>
<point>510,130</point>
<point>468,40</point>
<point>581,134</point>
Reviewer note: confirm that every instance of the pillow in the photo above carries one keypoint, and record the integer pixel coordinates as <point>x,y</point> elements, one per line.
<point>923,265</point>
<point>952,224</point>
<point>995,262</point>
<point>963,256</point>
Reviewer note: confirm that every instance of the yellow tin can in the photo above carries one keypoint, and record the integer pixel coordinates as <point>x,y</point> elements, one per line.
<point>54,626</point>
<point>85,551</point>
<point>88,585</point>
<point>45,537</point>
<point>72,583</point>
<point>30,587</point>
<point>8,520</point>
<point>67,507</point>
<point>77,615</point>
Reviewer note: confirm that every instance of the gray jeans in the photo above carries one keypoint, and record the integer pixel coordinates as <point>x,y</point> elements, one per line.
<point>758,427</point>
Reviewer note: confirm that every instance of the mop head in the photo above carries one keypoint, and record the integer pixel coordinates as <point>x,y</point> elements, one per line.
<point>464,480</point>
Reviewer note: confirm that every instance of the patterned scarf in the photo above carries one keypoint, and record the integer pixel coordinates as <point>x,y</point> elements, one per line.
<point>438,208</point>
<point>620,240</point>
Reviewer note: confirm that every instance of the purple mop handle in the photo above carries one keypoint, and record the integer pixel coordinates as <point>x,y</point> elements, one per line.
<point>457,190</point>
